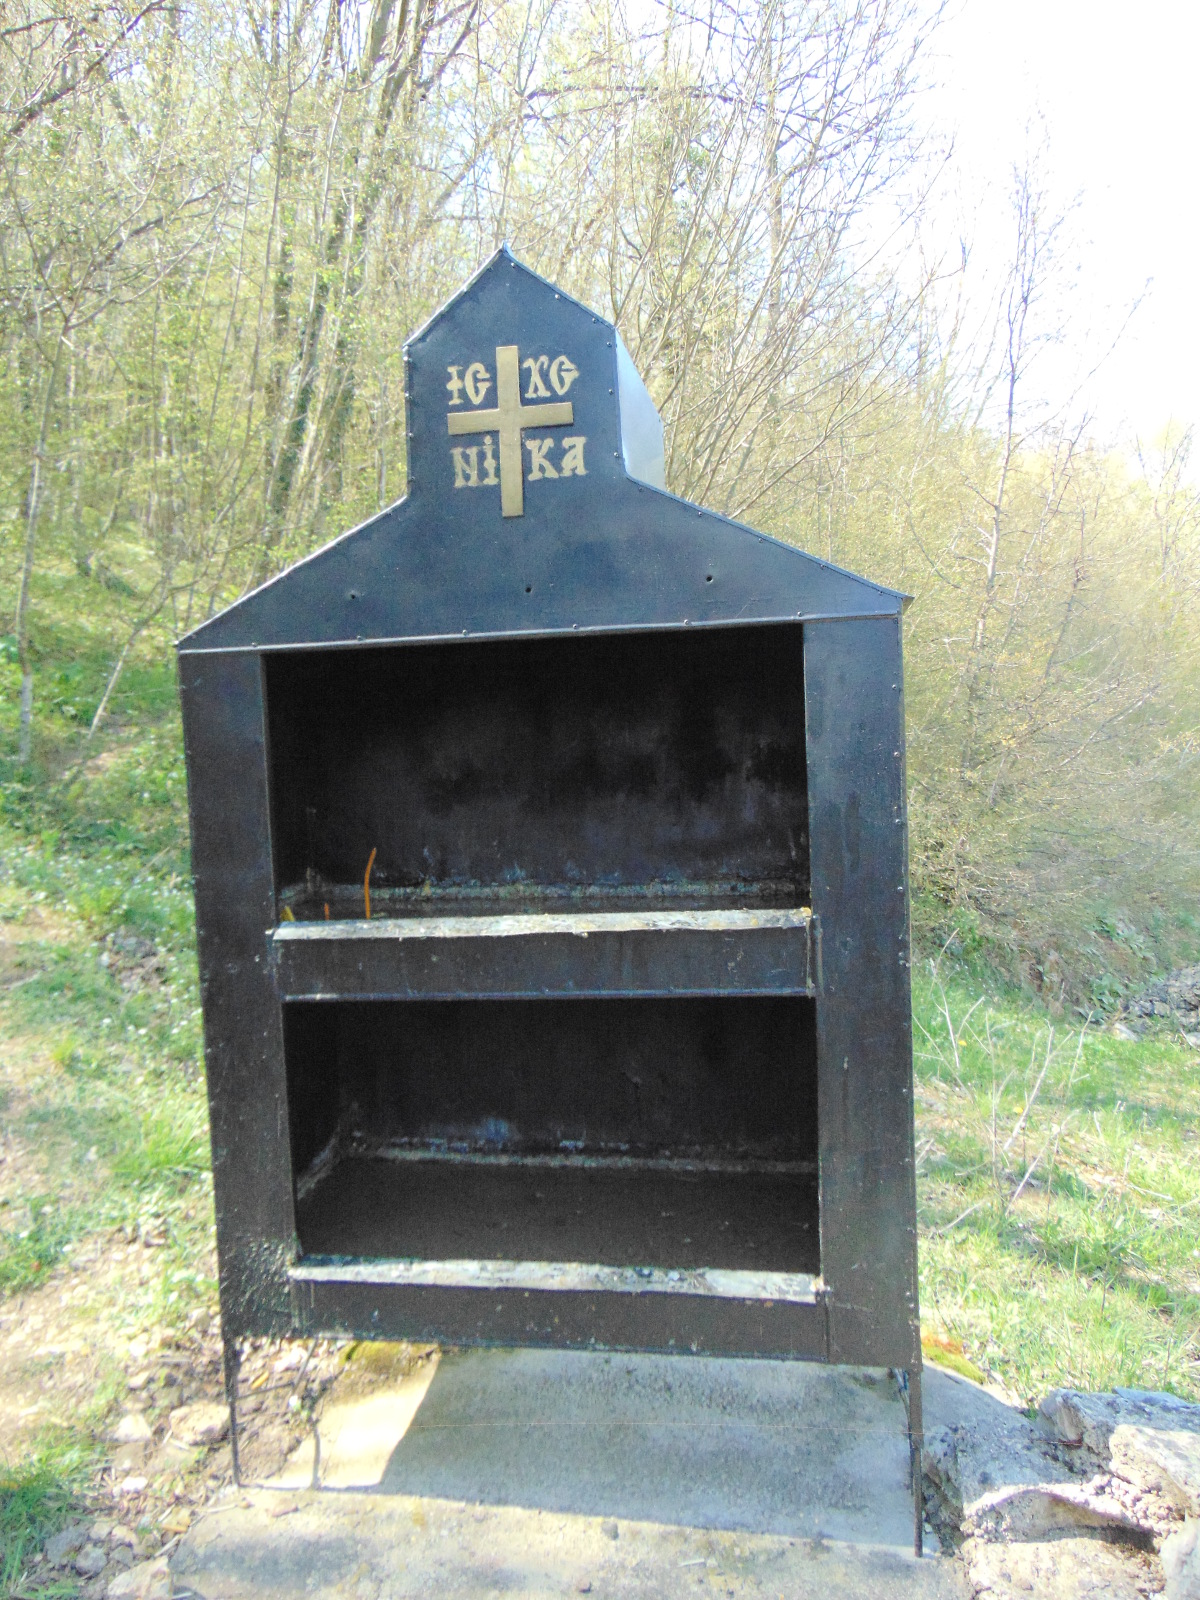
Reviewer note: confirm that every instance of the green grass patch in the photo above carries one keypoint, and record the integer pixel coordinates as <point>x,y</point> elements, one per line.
<point>168,1145</point>
<point>1059,1193</point>
<point>39,1495</point>
<point>34,1244</point>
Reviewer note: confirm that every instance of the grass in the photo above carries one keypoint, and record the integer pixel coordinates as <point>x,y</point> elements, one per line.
<point>1059,1166</point>
<point>36,1498</point>
<point>101,1086</point>
<point>1059,1194</point>
<point>29,1249</point>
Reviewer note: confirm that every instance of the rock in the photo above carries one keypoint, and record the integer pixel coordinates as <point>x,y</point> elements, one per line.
<point>91,1561</point>
<point>60,1547</point>
<point>1079,1419</point>
<point>149,1580</point>
<point>204,1423</point>
<point>976,1445</point>
<point>100,1529</point>
<point>1068,1568</point>
<point>1045,1511</point>
<point>610,1530</point>
<point>1122,1030</point>
<point>132,1429</point>
<point>1164,1461</point>
<point>120,1534</point>
<point>939,1462</point>
<point>1062,1415</point>
<point>133,1485</point>
<point>1181,1563</point>
<point>1178,993</point>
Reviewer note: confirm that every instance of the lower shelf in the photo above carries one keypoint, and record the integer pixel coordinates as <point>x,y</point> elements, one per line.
<point>445,1219</point>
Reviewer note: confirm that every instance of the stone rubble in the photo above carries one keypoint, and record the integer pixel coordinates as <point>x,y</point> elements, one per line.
<point>1021,1512</point>
<point>91,1561</point>
<point>203,1423</point>
<point>1177,995</point>
<point>1076,1419</point>
<point>1092,1498</point>
<point>1065,1569</point>
<point>149,1580</point>
<point>62,1547</point>
<point>132,1429</point>
<point>1181,1562</point>
<point>1164,1462</point>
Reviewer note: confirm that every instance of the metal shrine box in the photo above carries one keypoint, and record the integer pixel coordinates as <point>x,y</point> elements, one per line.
<point>549,847</point>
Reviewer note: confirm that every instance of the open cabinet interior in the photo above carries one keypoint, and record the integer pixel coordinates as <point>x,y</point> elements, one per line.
<point>644,1133</point>
<point>617,782</point>
<point>663,768</point>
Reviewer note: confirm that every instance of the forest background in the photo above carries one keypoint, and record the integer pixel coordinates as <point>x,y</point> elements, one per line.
<point>219,219</point>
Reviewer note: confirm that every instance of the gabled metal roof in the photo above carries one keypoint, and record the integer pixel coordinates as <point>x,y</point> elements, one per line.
<point>527,425</point>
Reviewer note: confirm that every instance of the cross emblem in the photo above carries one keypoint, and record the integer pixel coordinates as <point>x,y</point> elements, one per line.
<point>508,417</point>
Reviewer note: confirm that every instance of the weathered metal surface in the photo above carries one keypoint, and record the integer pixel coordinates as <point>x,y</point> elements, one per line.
<point>618,762</point>
<point>648,953</point>
<point>225,746</point>
<point>694,1078</point>
<point>528,924</point>
<point>373,1209</point>
<point>346,902</point>
<point>796,1288</point>
<point>855,721</point>
<point>593,551</point>
<point>565,1319</point>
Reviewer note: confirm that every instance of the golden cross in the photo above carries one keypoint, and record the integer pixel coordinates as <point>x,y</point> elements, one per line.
<point>508,417</point>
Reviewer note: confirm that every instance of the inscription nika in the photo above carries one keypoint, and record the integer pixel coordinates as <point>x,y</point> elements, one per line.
<point>497,458</point>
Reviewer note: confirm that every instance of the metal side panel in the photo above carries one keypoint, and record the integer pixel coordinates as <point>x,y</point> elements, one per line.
<point>226,754</point>
<point>855,735</point>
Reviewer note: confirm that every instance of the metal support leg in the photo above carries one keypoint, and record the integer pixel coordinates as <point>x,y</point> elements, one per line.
<point>233,1361</point>
<point>916,1447</point>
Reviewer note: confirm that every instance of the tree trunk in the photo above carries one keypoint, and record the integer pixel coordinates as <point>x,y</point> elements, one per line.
<point>33,502</point>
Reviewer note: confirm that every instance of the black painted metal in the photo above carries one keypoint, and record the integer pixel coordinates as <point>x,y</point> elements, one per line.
<point>556,764</point>
<point>855,728</point>
<point>564,1318</point>
<point>625,782</point>
<point>592,962</point>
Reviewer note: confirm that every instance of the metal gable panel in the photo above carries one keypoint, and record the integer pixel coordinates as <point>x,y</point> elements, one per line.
<point>521,516</point>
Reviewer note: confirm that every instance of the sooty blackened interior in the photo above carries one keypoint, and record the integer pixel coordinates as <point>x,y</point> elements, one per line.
<point>659,1133</point>
<point>670,762</point>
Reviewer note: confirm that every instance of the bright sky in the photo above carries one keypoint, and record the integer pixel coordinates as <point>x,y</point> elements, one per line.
<point>1114,87</point>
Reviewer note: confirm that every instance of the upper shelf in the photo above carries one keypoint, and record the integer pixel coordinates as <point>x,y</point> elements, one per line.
<point>721,950</point>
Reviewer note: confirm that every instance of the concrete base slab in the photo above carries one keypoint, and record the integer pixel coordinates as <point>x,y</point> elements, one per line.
<point>773,1446</point>
<point>388,1547</point>
<point>525,1472</point>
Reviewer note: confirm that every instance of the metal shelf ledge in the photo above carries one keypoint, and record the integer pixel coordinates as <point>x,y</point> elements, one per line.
<point>541,954</point>
<point>793,1288</point>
